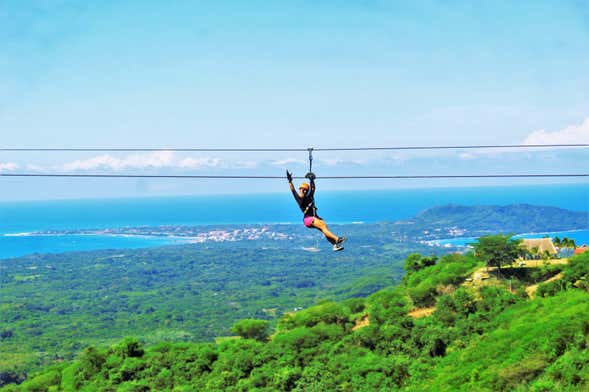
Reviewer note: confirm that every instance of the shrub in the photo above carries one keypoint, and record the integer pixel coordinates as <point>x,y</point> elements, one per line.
<point>129,347</point>
<point>416,262</point>
<point>571,369</point>
<point>356,305</point>
<point>251,329</point>
<point>327,312</point>
<point>575,274</point>
<point>42,382</point>
<point>90,364</point>
<point>452,269</point>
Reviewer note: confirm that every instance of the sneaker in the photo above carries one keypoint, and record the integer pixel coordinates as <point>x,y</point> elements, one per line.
<point>337,248</point>
<point>341,240</point>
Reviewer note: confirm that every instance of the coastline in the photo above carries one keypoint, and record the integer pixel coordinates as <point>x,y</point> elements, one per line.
<point>133,238</point>
<point>459,242</point>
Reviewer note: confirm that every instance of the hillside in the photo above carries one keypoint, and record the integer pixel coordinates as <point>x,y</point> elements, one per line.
<point>473,221</point>
<point>53,306</point>
<point>478,338</point>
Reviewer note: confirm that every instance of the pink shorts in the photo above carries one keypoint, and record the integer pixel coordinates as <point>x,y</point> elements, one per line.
<point>309,221</point>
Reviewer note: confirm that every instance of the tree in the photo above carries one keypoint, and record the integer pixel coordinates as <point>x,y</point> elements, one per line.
<point>568,244</point>
<point>497,250</point>
<point>558,244</point>
<point>535,252</point>
<point>251,329</point>
<point>415,262</point>
<point>412,262</point>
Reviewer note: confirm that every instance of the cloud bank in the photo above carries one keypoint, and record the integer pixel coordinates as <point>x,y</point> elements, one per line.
<point>155,160</point>
<point>143,161</point>
<point>574,134</point>
<point>8,166</point>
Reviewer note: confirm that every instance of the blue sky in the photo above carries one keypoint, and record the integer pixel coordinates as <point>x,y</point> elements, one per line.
<point>287,74</point>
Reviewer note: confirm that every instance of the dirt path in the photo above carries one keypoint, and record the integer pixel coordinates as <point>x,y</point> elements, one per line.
<point>531,290</point>
<point>422,312</point>
<point>478,278</point>
<point>361,323</point>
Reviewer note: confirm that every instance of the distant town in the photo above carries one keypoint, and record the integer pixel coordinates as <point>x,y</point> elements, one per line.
<point>190,234</point>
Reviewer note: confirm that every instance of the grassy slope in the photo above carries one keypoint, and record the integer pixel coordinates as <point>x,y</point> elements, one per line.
<point>422,286</point>
<point>495,342</point>
<point>525,339</point>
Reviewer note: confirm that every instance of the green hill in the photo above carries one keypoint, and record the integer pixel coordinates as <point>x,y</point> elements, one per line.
<point>473,221</point>
<point>484,338</point>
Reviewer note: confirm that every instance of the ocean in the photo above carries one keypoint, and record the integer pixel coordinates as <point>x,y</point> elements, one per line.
<point>19,220</point>
<point>580,236</point>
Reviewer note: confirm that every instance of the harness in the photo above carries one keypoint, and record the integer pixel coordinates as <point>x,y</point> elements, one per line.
<point>311,205</point>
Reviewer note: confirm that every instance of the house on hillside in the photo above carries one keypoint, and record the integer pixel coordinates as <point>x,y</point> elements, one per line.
<point>581,249</point>
<point>538,247</point>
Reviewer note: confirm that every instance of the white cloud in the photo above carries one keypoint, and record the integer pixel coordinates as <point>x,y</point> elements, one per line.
<point>192,163</point>
<point>574,134</point>
<point>288,161</point>
<point>155,160</point>
<point>402,156</point>
<point>467,155</point>
<point>33,167</point>
<point>331,162</point>
<point>8,166</point>
<point>246,165</point>
<point>158,159</point>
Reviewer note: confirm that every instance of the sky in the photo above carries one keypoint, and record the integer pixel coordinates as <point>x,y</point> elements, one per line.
<point>267,74</point>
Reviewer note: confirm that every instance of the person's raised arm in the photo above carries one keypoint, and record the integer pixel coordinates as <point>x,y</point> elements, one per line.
<point>292,188</point>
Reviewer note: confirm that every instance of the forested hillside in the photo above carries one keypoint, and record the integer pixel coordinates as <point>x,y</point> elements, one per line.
<point>53,306</point>
<point>479,337</point>
<point>474,221</point>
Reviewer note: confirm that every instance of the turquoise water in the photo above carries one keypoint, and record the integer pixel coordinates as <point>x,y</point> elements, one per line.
<point>13,246</point>
<point>580,236</point>
<point>334,207</point>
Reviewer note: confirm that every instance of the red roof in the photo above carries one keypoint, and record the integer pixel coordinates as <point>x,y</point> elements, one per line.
<point>581,249</point>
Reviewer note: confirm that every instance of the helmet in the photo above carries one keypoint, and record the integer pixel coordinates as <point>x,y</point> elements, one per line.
<point>304,185</point>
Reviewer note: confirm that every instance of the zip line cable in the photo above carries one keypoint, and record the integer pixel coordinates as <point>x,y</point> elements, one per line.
<point>181,176</point>
<point>174,149</point>
<point>309,150</point>
<point>468,147</point>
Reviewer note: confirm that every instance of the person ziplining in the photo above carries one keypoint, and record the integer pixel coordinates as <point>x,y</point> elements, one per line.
<point>305,198</point>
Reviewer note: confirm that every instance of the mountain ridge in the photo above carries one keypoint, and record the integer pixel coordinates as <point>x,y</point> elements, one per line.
<point>454,220</point>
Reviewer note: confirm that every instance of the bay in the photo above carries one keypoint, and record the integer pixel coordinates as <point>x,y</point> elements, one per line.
<point>19,218</point>
<point>24,243</point>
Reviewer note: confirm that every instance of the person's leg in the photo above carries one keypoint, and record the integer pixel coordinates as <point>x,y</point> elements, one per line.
<point>320,225</point>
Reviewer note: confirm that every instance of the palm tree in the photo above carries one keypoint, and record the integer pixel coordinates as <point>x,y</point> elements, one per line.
<point>571,245</point>
<point>534,252</point>
<point>568,244</point>
<point>558,244</point>
<point>523,252</point>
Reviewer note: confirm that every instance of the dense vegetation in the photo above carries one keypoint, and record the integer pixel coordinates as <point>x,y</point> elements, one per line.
<point>480,337</point>
<point>53,306</point>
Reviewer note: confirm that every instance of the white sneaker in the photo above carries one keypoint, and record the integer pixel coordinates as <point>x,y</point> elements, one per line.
<point>337,248</point>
